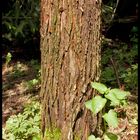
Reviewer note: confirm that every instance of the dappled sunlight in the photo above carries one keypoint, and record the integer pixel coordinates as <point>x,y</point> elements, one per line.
<point>15,86</point>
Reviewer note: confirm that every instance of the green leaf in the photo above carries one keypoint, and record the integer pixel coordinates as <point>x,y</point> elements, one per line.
<point>92,137</point>
<point>99,87</point>
<point>134,29</point>
<point>96,104</point>
<point>111,96</point>
<point>8,57</point>
<point>124,102</point>
<point>88,105</point>
<point>120,94</point>
<point>110,136</point>
<point>37,118</point>
<point>111,118</point>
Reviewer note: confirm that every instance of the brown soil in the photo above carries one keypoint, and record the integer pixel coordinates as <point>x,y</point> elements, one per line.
<point>15,92</point>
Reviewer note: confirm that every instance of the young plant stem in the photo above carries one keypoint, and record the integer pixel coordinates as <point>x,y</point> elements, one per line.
<point>105,128</point>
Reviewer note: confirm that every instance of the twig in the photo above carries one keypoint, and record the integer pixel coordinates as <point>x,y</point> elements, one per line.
<point>116,72</point>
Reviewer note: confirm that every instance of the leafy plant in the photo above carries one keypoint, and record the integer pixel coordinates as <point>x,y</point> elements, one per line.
<point>31,84</point>
<point>110,136</point>
<point>20,27</point>
<point>114,97</point>
<point>24,126</point>
<point>125,56</point>
<point>8,58</point>
<point>131,76</point>
<point>21,17</point>
<point>19,70</point>
<point>92,137</point>
<point>35,64</point>
<point>18,73</point>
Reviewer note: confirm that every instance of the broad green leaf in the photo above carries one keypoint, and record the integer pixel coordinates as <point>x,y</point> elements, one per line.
<point>99,87</point>
<point>120,94</point>
<point>110,136</point>
<point>114,104</point>
<point>98,103</point>
<point>111,118</point>
<point>111,96</point>
<point>92,137</point>
<point>88,105</point>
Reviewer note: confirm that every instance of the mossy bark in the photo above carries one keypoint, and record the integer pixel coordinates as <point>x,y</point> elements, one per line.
<point>70,58</point>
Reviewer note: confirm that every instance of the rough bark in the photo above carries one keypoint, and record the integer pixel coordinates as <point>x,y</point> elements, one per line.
<point>70,56</point>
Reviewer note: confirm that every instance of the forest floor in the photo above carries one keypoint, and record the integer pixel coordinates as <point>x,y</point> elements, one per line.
<point>16,79</point>
<point>16,93</point>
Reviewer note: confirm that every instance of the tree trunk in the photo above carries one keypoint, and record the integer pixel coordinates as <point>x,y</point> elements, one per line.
<point>70,56</point>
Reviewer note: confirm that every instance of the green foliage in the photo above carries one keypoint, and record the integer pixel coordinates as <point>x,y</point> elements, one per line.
<point>107,12</point>
<point>31,84</point>
<point>119,94</point>
<point>54,134</point>
<point>35,64</point>
<point>24,126</point>
<point>18,73</point>
<point>99,87</point>
<point>19,70</point>
<point>96,104</point>
<point>21,20</point>
<point>111,118</point>
<point>92,137</point>
<point>110,136</point>
<point>125,57</point>
<point>134,29</point>
<point>130,76</point>
<point>37,137</point>
<point>115,97</point>
<point>107,136</point>
<point>8,58</point>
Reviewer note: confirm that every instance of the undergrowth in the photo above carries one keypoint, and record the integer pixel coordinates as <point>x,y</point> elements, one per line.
<point>23,126</point>
<point>119,62</point>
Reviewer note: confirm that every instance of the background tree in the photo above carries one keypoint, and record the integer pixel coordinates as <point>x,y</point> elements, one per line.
<point>70,56</point>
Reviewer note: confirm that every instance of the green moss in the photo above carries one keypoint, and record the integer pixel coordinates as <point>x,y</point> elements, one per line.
<point>76,138</point>
<point>55,134</point>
